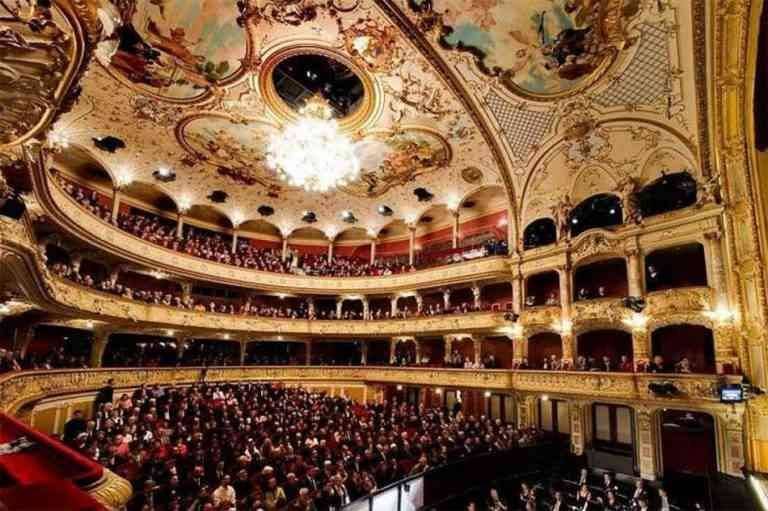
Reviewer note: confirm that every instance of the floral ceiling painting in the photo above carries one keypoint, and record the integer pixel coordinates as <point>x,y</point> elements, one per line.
<point>174,49</point>
<point>235,148</point>
<point>539,47</point>
<point>389,160</point>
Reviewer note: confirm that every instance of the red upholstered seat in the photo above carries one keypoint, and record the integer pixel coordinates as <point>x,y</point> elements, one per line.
<point>60,495</point>
<point>48,460</point>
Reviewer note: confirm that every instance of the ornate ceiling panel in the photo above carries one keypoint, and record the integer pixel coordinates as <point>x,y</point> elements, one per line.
<point>190,87</point>
<point>526,62</point>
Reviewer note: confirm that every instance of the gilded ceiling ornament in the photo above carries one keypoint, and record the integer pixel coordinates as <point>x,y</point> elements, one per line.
<point>160,49</point>
<point>472,175</point>
<point>37,51</point>
<point>372,42</point>
<point>543,50</point>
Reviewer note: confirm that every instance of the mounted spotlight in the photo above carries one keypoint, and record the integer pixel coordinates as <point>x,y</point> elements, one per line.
<point>423,195</point>
<point>385,210</point>
<point>109,143</point>
<point>511,316</point>
<point>309,217</point>
<point>348,217</point>
<point>164,175</point>
<point>634,303</point>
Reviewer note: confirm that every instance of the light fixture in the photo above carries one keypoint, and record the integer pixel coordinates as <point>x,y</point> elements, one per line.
<point>123,177</point>
<point>312,153</point>
<point>438,390</point>
<point>544,397</point>
<point>58,138</point>
<point>487,394</point>
<point>637,321</point>
<point>184,203</point>
<point>722,314</point>
<point>399,387</point>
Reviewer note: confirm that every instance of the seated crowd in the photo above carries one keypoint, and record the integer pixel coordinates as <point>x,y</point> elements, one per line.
<point>300,311</point>
<point>58,358</point>
<point>215,247</point>
<point>607,364</point>
<point>588,491</point>
<point>268,447</point>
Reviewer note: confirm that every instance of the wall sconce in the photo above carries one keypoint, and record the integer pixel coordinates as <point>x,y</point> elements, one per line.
<point>516,331</point>
<point>721,315</point>
<point>438,390</point>
<point>487,394</point>
<point>399,387</point>
<point>123,177</point>
<point>636,321</point>
<point>565,327</point>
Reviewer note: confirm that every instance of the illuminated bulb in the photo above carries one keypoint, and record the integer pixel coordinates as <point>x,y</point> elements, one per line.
<point>487,393</point>
<point>123,177</point>
<point>544,397</point>
<point>399,387</point>
<point>58,138</point>
<point>452,202</point>
<point>438,390</point>
<point>184,204</point>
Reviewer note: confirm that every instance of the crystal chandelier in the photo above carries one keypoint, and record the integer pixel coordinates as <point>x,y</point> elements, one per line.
<point>312,153</point>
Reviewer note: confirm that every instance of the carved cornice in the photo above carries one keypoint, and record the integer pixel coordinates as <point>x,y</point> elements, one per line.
<point>19,389</point>
<point>679,301</point>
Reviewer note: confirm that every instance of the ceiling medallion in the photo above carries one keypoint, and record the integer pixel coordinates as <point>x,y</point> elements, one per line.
<point>311,153</point>
<point>291,76</point>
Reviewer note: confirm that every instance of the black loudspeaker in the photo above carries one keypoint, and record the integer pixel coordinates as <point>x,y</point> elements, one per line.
<point>12,207</point>
<point>663,389</point>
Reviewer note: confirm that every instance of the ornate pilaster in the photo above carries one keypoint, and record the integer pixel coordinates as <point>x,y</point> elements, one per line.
<point>311,307</point>
<point>717,269</point>
<point>455,230</point>
<point>447,347</point>
<point>180,225</point>
<point>411,244</point>
<point>446,299</point>
<point>517,293</point>
<point>725,337</point>
<point>364,353</point>
<point>392,350</point>
<point>99,346</point>
<point>569,348</point>
<point>641,346</point>
<point>285,248</point>
<point>731,438</point>
<point>566,297</point>
<point>526,411</point>
<point>477,349</point>
<point>330,250</point>
<point>647,452</point>
<point>366,308</point>
<point>634,272</point>
<point>393,306</point>
<point>339,305</point>
<point>476,295</point>
<point>419,302</point>
<point>519,348</point>
<point>373,250</point>
<point>417,344</point>
<point>577,411</point>
<point>116,196</point>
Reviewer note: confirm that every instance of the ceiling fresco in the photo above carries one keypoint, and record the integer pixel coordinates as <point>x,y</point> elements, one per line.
<point>457,96</point>
<point>540,47</point>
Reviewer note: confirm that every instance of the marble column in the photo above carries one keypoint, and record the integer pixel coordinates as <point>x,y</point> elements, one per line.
<point>717,269</point>
<point>566,298</point>
<point>234,241</point>
<point>393,306</point>
<point>447,346</point>
<point>477,349</point>
<point>419,303</point>
<point>647,453</point>
<point>339,305</point>
<point>284,254</point>
<point>98,347</point>
<point>364,353</point>
<point>366,308</point>
<point>330,251</point>
<point>517,293</point>
<point>577,411</point>
<point>476,295</point>
<point>373,250</point>
<point>447,299</point>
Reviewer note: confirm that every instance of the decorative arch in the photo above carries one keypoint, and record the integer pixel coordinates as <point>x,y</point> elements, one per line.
<point>539,233</point>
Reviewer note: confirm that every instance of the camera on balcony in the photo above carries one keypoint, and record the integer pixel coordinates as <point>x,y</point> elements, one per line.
<point>634,303</point>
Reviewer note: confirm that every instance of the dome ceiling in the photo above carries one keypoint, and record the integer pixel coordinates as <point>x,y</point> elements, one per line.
<point>544,97</point>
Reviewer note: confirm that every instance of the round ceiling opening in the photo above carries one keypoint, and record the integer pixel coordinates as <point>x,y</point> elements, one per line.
<point>299,77</point>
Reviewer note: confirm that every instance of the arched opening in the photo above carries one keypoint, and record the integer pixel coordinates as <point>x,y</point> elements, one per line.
<point>674,267</point>
<point>604,350</point>
<point>462,353</point>
<point>432,351</point>
<point>352,309</point>
<point>545,350</point>
<point>539,233</point>
<point>599,211</point>
<point>684,348</point>
<point>132,350</point>
<point>688,444</point>
<point>378,352</point>
<point>407,306</point>
<point>259,234</point>
<point>668,193</point>
<point>601,279</point>
<point>542,289</point>
<point>342,353</point>
<point>405,353</point>
<point>275,353</point>
<point>497,296</point>
<point>497,353</point>
<point>613,438</point>
<point>58,346</point>
<point>554,416</point>
<point>462,298</point>
<point>211,352</point>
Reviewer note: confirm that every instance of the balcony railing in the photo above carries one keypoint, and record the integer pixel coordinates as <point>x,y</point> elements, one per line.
<point>20,388</point>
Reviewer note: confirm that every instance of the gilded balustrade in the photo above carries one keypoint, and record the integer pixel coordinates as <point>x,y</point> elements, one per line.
<point>112,239</point>
<point>22,388</point>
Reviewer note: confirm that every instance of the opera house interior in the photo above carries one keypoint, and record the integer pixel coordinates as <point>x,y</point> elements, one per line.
<point>383,255</point>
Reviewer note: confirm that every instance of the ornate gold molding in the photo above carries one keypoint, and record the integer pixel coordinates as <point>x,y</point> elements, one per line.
<point>19,389</point>
<point>112,491</point>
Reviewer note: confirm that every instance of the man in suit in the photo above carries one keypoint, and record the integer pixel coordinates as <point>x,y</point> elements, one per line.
<point>74,426</point>
<point>106,394</point>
